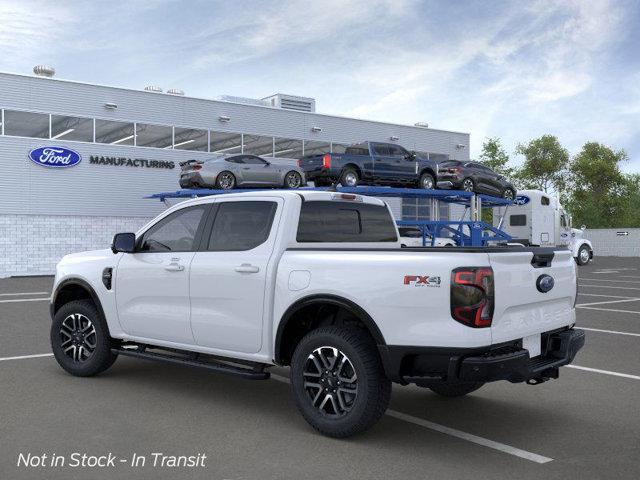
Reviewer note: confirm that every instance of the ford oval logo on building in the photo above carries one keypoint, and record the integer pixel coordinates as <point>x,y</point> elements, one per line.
<point>521,200</point>
<point>56,157</point>
<point>545,283</point>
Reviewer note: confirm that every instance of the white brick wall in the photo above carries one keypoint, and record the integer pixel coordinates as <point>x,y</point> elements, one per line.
<point>33,244</point>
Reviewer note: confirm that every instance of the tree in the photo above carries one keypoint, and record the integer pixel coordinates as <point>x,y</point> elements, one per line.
<point>545,165</point>
<point>495,157</point>
<point>600,193</point>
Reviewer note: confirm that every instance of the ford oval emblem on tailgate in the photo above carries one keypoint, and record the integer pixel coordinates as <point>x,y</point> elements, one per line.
<point>544,283</point>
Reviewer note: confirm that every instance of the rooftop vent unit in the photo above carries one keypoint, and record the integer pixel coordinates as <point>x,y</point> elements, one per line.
<point>175,91</point>
<point>153,88</point>
<point>422,124</point>
<point>44,71</point>
<point>244,100</point>
<point>291,102</point>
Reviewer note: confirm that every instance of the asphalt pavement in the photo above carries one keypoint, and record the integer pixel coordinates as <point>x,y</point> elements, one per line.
<point>584,425</point>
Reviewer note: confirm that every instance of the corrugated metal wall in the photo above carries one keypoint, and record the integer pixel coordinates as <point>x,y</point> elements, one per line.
<point>614,242</point>
<point>103,190</point>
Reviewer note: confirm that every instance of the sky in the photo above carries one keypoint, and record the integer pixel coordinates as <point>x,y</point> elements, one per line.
<point>514,70</point>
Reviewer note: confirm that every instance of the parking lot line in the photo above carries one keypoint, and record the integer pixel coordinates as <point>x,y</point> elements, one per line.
<point>23,293</point>
<point>610,331</point>
<point>608,286</point>
<point>16,300</point>
<point>609,310</point>
<point>601,295</point>
<point>632,299</point>
<point>608,280</point>
<point>469,437</point>
<point>24,357</point>
<point>606,372</point>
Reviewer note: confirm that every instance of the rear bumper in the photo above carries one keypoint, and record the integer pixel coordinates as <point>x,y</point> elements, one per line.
<point>320,173</point>
<point>191,180</point>
<point>428,365</point>
<point>449,184</point>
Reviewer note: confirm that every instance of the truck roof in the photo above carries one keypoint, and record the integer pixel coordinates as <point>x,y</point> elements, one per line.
<point>307,195</point>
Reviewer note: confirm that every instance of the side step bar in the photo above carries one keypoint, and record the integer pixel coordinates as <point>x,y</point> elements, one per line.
<point>255,373</point>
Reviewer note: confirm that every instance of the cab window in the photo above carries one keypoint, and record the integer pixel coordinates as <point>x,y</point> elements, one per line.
<point>240,226</point>
<point>174,233</point>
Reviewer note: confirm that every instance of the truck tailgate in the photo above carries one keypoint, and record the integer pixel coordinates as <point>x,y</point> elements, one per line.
<point>521,310</point>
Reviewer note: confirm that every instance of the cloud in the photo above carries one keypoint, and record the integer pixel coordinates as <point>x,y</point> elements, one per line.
<point>31,29</point>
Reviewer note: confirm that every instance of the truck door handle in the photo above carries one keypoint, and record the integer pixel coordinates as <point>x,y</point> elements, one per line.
<point>174,266</point>
<point>247,268</point>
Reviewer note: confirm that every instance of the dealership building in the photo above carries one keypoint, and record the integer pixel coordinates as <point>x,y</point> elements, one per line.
<point>129,144</point>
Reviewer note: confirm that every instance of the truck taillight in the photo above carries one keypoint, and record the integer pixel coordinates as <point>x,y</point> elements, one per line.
<point>299,162</point>
<point>326,161</point>
<point>472,296</point>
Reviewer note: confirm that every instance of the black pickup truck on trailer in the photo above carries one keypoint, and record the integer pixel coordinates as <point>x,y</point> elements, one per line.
<point>371,163</point>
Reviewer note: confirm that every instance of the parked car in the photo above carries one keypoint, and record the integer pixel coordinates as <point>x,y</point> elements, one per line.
<point>317,281</point>
<point>371,163</point>
<point>230,171</point>
<point>412,237</point>
<point>474,177</point>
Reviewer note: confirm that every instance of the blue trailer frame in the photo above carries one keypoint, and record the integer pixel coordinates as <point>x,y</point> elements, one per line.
<point>473,232</point>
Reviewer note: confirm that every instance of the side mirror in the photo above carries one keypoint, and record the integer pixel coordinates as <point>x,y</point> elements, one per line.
<point>583,227</point>
<point>124,242</point>
<point>267,163</point>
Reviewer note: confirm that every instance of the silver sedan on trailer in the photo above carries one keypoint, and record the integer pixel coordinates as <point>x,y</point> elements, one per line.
<point>225,172</point>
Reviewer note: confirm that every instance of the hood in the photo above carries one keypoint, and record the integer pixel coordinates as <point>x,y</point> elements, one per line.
<point>577,233</point>
<point>88,256</point>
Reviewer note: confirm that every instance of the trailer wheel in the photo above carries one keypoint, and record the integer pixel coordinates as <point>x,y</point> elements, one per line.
<point>584,255</point>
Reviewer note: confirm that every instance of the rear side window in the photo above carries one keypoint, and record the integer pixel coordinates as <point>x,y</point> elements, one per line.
<point>357,150</point>
<point>517,220</point>
<point>381,149</point>
<point>330,221</point>
<point>241,226</point>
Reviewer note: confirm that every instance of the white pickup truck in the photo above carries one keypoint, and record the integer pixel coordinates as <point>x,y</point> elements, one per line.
<point>317,281</point>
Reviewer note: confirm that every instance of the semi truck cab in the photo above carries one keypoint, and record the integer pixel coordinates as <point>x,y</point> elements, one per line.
<point>538,219</point>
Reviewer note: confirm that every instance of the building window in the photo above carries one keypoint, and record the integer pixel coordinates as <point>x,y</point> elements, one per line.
<point>316,148</point>
<point>114,133</point>
<point>287,148</point>
<point>26,124</point>
<point>157,136</point>
<point>338,147</point>
<point>258,145</point>
<point>72,128</point>
<point>190,139</point>
<point>226,143</point>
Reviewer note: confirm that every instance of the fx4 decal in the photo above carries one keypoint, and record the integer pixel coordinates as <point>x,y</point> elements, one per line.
<point>422,280</point>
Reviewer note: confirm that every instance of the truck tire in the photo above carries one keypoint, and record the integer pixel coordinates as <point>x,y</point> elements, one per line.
<point>427,181</point>
<point>349,178</point>
<point>456,389</point>
<point>338,382</point>
<point>80,339</point>
<point>584,255</point>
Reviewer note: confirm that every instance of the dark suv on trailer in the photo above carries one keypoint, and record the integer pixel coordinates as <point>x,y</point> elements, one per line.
<point>474,177</point>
